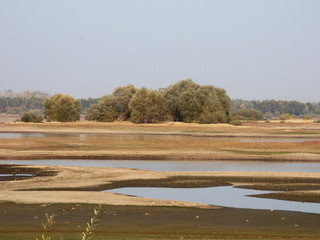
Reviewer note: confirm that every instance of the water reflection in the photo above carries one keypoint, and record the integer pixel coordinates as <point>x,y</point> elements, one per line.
<point>221,196</point>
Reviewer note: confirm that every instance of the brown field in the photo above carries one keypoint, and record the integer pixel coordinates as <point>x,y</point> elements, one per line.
<point>165,141</point>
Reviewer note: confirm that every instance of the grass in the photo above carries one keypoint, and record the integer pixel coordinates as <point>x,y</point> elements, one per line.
<point>131,222</point>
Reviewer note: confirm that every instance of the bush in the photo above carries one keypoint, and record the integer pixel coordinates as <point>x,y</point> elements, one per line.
<point>248,114</point>
<point>236,123</point>
<point>31,117</point>
<point>286,116</point>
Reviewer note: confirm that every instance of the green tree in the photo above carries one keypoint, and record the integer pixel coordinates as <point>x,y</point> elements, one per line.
<point>147,106</point>
<point>189,105</point>
<point>104,111</point>
<point>123,96</point>
<point>62,108</point>
<point>173,94</point>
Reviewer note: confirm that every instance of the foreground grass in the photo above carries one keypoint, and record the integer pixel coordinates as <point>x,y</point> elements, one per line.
<point>23,221</point>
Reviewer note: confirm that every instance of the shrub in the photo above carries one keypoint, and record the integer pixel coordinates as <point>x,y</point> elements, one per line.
<point>248,114</point>
<point>236,123</point>
<point>31,117</point>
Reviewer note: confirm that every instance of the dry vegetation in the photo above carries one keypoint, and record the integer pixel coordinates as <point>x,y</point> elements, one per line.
<point>165,141</point>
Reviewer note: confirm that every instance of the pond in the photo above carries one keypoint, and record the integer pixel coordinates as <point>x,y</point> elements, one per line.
<point>221,196</point>
<point>180,165</point>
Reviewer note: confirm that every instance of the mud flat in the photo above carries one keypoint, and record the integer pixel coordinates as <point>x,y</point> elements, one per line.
<point>166,141</point>
<point>69,192</point>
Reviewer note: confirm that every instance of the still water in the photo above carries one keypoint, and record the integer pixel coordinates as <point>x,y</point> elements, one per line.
<point>180,165</point>
<point>220,196</point>
<point>134,137</point>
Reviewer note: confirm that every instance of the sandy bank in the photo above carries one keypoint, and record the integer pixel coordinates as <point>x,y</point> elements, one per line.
<point>68,184</point>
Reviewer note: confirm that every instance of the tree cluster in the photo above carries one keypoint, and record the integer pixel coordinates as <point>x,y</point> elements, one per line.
<point>184,101</point>
<point>274,109</point>
<point>189,102</point>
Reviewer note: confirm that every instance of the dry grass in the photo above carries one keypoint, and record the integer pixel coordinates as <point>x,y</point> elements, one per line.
<point>170,140</point>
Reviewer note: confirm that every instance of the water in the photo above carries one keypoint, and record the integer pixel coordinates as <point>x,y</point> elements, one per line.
<point>220,196</point>
<point>20,135</point>
<point>8,177</point>
<point>134,137</point>
<point>180,165</point>
<point>17,175</point>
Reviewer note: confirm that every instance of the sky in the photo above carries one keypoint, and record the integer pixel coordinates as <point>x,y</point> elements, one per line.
<point>266,49</point>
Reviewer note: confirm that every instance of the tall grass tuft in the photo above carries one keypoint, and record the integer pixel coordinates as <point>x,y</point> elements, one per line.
<point>47,225</point>
<point>88,233</point>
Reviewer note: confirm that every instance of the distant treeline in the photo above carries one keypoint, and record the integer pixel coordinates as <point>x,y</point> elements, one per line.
<point>19,105</point>
<point>273,109</point>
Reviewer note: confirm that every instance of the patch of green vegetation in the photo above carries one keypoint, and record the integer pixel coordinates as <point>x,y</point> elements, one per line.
<point>132,222</point>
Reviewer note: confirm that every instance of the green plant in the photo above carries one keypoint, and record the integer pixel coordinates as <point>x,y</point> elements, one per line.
<point>47,225</point>
<point>87,234</point>
<point>236,123</point>
<point>31,117</point>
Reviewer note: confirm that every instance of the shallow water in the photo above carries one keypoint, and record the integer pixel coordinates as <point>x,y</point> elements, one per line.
<point>17,175</point>
<point>180,165</point>
<point>135,137</point>
<point>220,196</point>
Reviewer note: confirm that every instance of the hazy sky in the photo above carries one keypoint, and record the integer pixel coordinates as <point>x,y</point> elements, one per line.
<point>254,49</point>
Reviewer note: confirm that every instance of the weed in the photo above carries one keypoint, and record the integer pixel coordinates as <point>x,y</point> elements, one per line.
<point>47,225</point>
<point>86,235</point>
